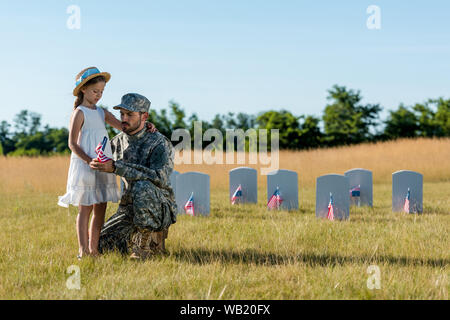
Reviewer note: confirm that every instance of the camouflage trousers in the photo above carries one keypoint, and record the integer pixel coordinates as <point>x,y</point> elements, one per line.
<point>116,233</point>
<point>141,221</point>
<point>120,233</point>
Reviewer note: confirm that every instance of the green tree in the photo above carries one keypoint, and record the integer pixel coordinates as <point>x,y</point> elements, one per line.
<point>346,121</point>
<point>310,134</point>
<point>30,140</point>
<point>36,141</point>
<point>218,123</point>
<point>5,138</point>
<point>192,119</point>
<point>58,139</point>
<point>27,123</point>
<point>286,123</point>
<point>426,123</point>
<point>442,116</point>
<point>177,116</point>
<point>25,153</point>
<point>27,135</point>
<point>230,122</point>
<point>166,123</point>
<point>401,123</point>
<point>245,121</point>
<point>161,122</point>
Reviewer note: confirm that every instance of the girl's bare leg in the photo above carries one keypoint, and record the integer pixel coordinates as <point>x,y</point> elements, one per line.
<point>97,222</point>
<point>82,229</point>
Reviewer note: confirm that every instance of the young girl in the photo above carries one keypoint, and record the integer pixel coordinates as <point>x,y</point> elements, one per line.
<point>86,188</point>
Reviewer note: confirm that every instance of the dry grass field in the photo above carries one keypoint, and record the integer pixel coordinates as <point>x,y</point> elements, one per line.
<point>241,252</point>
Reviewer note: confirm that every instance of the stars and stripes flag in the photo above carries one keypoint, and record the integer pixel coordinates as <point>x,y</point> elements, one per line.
<point>189,206</point>
<point>355,191</point>
<point>330,215</point>
<point>275,200</point>
<point>406,205</point>
<point>99,151</point>
<point>237,196</point>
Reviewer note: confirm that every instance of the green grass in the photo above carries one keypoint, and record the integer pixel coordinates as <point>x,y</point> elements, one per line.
<point>236,253</point>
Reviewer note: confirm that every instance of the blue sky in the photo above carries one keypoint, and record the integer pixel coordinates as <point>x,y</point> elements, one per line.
<point>219,56</point>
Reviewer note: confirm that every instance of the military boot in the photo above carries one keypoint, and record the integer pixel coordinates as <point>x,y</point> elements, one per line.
<point>158,242</point>
<point>140,244</point>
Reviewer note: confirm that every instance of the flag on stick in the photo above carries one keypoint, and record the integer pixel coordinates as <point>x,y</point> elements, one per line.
<point>237,196</point>
<point>275,200</point>
<point>330,215</point>
<point>406,205</point>
<point>189,206</point>
<point>355,191</point>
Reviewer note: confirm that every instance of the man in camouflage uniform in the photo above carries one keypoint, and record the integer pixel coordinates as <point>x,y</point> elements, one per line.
<point>144,160</point>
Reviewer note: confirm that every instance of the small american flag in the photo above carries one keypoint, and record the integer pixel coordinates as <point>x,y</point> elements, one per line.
<point>99,151</point>
<point>237,196</point>
<point>355,191</point>
<point>406,205</point>
<point>330,215</point>
<point>189,206</point>
<point>275,200</point>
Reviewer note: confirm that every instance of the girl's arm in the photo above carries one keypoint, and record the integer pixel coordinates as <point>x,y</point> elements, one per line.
<point>112,120</point>
<point>76,122</point>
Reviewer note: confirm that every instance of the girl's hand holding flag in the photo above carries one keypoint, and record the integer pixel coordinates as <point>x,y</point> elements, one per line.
<point>102,162</point>
<point>99,151</point>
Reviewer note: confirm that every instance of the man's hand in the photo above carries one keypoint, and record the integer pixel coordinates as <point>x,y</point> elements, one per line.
<point>107,166</point>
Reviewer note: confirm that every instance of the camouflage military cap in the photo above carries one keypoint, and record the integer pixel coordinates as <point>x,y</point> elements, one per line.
<point>134,102</point>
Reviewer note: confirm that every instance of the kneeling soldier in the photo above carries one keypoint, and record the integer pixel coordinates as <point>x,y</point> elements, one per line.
<point>144,160</point>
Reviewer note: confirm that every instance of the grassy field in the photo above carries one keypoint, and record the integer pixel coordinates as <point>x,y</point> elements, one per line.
<point>241,252</point>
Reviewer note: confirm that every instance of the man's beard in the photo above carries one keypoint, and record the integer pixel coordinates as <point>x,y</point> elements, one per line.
<point>131,129</point>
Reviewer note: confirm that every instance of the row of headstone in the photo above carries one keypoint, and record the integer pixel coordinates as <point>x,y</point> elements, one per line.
<point>335,193</point>
<point>242,180</point>
<point>285,181</point>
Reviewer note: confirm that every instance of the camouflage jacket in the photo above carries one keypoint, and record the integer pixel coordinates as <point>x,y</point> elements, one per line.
<point>145,163</point>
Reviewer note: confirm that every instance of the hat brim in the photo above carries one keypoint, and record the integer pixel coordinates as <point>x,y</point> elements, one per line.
<point>107,76</point>
<point>122,106</point>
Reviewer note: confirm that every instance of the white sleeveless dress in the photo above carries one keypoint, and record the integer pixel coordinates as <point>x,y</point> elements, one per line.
<point>86,186</point>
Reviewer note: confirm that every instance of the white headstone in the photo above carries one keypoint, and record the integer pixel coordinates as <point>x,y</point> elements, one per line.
<point>287,182</point>
<point>173,180</point>
<point>247,178</point>
<point>338,186</point>
<point>363,179</point>
<point>197,183</point>
<point>401,181</point>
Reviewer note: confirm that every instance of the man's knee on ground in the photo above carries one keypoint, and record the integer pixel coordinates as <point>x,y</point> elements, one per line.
<point>149,205</point>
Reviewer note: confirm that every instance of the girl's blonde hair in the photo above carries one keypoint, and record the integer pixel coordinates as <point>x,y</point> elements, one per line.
<point>80,96</point>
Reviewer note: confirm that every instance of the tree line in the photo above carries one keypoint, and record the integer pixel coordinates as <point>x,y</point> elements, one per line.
<point>345,121</point>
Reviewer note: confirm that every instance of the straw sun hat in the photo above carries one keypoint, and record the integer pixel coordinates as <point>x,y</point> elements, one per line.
<point>87,75</point>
